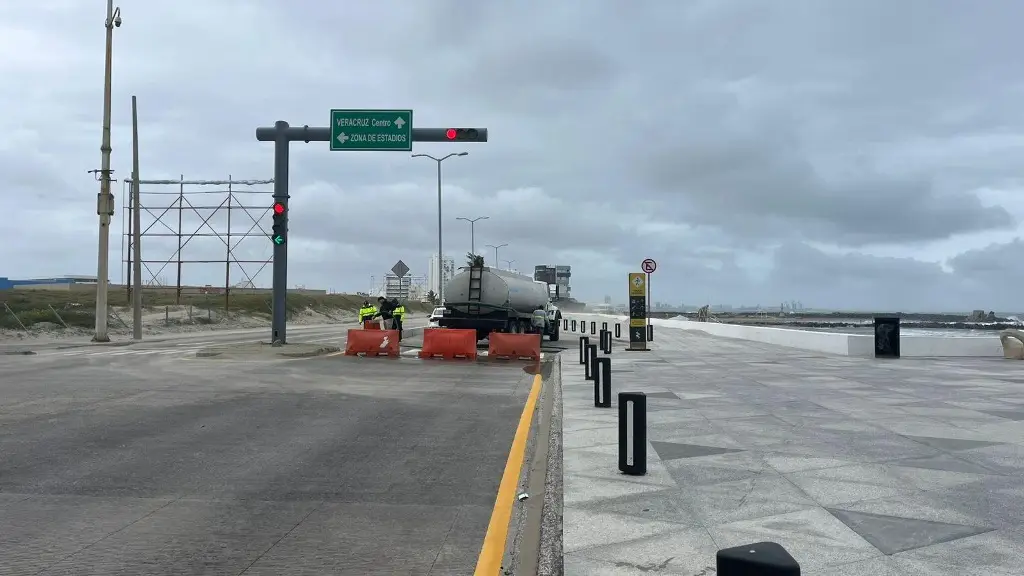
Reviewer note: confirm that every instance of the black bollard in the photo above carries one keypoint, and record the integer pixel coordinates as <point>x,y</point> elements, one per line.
<point>759,559</point>
<point>565,323</point>
<point>887,337</point>
<point>650,332</point>
<point>606,341</point>
<point>574,325</point>
<point>593,327</point>
<point>584,342</point>
<point>603,383</point>
<point>618,330</point>
<point>591,361</point>
<point>604,326</point>
<point>633,433</point>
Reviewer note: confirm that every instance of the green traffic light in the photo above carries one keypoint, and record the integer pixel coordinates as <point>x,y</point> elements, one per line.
<point>277,239</point>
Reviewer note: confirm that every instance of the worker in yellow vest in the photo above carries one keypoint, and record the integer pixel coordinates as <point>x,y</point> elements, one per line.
<point>399,316</point>
<point>366,312</point>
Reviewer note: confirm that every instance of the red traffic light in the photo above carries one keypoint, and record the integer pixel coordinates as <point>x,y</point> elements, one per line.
<point>451,133</point>
<point>278,208</point>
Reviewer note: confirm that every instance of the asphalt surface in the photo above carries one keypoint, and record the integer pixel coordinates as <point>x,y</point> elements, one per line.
<point>168,464</point>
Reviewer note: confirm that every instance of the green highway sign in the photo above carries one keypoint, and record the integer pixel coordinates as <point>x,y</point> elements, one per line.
<point>371,130</point>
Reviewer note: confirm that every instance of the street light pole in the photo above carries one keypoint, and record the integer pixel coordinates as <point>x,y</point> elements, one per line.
<point>472,231</point>
<point>105,204</point>
<point>440,252</point>
<point>509,262</point>
<point>496,264</point>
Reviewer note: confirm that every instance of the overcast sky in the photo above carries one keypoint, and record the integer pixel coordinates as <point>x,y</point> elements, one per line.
<point>862,155</point>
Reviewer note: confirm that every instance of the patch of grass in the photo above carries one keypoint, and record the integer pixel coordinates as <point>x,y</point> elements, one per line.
<point>77,307</point>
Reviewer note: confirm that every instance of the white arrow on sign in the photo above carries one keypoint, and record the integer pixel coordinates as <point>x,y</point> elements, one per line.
<point>342,137</point>
<point>399,122</point>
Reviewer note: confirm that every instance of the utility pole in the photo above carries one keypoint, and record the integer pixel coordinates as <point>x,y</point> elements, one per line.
<point>472,231</point>
<point>136,229</point>
<point>105,201</point>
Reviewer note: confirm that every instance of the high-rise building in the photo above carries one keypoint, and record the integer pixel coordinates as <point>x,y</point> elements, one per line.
<point>562,275</point>
<point>438,276</point>
<point>557,276</point>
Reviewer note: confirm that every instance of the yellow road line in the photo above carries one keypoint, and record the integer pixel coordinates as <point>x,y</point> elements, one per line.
<point>493,550</point>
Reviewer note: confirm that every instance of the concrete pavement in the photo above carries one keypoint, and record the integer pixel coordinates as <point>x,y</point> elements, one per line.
<point>858,467</point>
<point>331,465</point>
<point>176,346</point>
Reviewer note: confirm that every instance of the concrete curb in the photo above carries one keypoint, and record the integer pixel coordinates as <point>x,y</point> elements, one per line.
<point>550,561</point>
<point>320,351</point>
<point>96,344</point>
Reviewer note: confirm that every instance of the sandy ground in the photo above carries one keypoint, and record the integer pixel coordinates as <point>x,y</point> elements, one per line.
<point>174,320</point>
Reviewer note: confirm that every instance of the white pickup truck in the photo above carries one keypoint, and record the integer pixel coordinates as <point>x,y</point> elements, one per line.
<point>435,317</point>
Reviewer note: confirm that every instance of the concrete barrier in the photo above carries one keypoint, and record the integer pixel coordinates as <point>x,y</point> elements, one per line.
<point>858,345</point>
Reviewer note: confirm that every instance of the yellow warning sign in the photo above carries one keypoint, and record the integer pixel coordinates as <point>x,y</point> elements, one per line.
<point>637,322</point>
<point>637,284</point>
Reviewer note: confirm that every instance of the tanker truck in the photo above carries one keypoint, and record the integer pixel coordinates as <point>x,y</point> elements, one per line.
<point>487,300</point>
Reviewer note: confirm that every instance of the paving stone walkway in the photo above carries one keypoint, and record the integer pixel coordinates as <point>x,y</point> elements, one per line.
<point>858,467</point>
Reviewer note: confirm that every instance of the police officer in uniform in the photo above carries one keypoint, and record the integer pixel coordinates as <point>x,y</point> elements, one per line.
<point>399,315</point>
<point>367,311</point>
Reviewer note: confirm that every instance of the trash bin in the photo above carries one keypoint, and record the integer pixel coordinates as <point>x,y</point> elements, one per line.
<point>887,337</point>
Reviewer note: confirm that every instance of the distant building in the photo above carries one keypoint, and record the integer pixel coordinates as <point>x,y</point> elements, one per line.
<point>438,276</point>
<point>60,282</point>
<point>395,287</point>
<point>558,276</point>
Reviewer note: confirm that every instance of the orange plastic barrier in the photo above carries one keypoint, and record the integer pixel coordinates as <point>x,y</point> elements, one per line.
<point>373,343</point>
<point>514,346</point>
<point>449,343</point>
<point>371,325</point>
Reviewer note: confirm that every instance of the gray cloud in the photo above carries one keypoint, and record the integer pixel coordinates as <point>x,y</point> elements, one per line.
<point>725,139</point>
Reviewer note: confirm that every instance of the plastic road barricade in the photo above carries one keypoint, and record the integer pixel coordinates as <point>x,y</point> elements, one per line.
<point>371,325</point>
<point>514,346</point>
<point>373,343</point>
<point>449,343</point>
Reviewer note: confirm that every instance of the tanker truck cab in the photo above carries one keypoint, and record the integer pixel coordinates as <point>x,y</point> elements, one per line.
<point>554,322</point>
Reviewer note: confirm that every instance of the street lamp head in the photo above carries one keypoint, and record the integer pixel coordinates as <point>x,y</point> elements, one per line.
<point>463,154</point>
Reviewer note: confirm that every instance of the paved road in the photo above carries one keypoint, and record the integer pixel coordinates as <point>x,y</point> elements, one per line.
<point>332,465</point>
<point>172,347</point>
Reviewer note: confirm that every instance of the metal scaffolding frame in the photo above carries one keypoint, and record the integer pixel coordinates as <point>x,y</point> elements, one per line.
<point>239,195</point>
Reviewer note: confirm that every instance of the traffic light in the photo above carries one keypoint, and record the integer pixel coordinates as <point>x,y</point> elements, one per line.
<point>280,224</point>
<point>464,135</point>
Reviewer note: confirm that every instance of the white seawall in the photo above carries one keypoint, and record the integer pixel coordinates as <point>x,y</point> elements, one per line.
<point>842,344</point>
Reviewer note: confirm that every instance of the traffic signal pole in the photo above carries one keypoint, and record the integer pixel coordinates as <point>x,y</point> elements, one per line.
<point>279,312</point>
<point>282,135</point>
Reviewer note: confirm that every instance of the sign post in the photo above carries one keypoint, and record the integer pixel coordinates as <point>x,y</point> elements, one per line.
<point>371,130</point>
<point>649,266</point>
<point>637,311</point>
